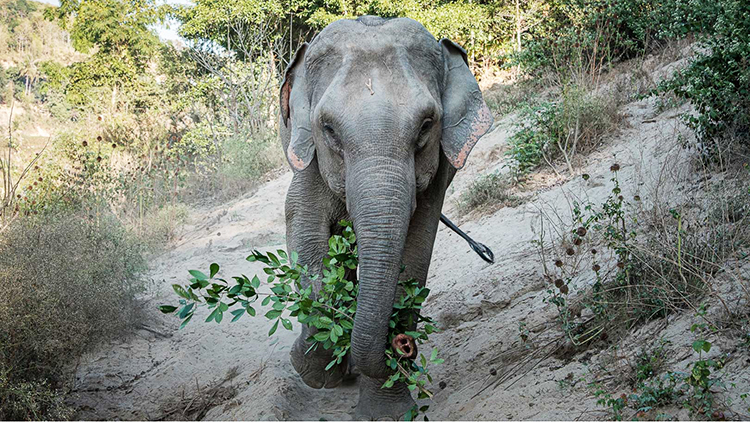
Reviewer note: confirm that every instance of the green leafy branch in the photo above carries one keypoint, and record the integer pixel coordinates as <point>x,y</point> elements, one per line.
<point>330,310</point>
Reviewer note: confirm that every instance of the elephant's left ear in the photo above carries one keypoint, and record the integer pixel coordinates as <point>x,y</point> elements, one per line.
<point>295,112</point>
<point>466,116</point>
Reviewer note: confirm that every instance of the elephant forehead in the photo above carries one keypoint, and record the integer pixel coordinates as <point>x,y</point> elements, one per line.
<point>371,38</point>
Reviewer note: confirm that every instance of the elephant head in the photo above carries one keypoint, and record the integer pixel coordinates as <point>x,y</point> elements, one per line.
<point>381,105</point>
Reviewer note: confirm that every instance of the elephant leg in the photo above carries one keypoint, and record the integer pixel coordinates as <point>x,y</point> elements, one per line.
<point>376,403</point>
<point>311,215</point>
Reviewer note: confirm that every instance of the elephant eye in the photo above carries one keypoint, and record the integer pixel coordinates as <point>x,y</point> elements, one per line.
<point>426,126</point>
<point>331,138</point>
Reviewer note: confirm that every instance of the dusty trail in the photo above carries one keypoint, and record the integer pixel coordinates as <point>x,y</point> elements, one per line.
<point>478,306</point>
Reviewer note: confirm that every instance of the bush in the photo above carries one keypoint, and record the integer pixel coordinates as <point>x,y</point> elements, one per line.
<point>585,36</point>
<point>489,189</point>
<point>717,82</point>
<point>68,282</point>
<point>574,124</point>
<point>616,267</point>
<point>506,98</point>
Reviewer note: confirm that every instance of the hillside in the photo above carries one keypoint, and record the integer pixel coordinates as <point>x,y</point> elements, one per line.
<point>506,354</point>
<point>613,188</point>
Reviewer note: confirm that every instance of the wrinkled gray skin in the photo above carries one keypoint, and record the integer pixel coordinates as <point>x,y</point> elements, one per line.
<point>376,117</point>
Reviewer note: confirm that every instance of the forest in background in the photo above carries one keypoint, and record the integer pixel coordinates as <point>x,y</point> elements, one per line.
<point>111,134</point>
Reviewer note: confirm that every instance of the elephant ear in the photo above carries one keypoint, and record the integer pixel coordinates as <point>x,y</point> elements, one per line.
<point>466,116</point>
<point>295,112</point>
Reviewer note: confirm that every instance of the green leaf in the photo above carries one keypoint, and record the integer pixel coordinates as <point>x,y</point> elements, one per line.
<point>214,268</point>
<point>273,314</point>
<point>167,309</point>
<point>237,314</point>
<point>255,282</point>
<point>321,335</point>
<point>184,323</point>
<point>198,275</point>
<point>273,329</point>
<point>250,310</point>
<point>181,292</point>
<point>186,310</point>
<point>274,259</point>
<point>287,324</point>
<point>265,301</point>
<point>214,315</point>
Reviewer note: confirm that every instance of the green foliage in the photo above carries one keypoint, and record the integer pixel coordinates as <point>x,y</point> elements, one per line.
<point>692,391</point>
<point>124,44</point>
<point>287,24</point>
<point>115,27</point>
<point>574,124</point>
<point>330,311</point>
<point>68,282</point>
<point>648,363</point>
<point>586,36</point>
<point>717,81</point>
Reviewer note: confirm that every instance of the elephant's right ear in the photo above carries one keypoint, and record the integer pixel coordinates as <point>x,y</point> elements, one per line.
<point>295,111</point>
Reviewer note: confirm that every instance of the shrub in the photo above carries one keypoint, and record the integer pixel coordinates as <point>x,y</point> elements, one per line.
<point>585,36</point>
<point>68,282</point>
<point>506,98</point>
<point>245,161</point>
<point>487,190</point>
<point>616,268</point>
<point>717,82</point>
<point>574,124</point>
<point>162,225</point>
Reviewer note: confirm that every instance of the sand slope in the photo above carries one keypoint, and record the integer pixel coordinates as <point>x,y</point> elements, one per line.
<point>157,372</point>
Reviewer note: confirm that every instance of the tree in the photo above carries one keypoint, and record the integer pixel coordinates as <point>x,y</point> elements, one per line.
<point>119,30</point>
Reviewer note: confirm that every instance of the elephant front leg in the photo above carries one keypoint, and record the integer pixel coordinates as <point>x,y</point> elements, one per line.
<point>310,214</point>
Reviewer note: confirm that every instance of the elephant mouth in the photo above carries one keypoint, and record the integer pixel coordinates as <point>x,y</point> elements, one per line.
<point>406,345</point>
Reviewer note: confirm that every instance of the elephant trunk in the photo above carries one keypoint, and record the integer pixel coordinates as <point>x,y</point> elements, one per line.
<point>381,199</point>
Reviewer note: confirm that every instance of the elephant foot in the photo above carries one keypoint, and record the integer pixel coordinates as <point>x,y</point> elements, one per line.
<point>311,366</point>
<point>376,403</point>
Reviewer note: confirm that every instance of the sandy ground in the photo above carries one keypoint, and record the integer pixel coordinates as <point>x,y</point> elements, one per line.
<point>156,373</point>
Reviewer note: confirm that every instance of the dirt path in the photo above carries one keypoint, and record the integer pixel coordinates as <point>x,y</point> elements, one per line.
<point>164,373</point>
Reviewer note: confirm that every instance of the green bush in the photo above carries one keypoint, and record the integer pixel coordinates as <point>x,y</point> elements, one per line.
<point>586,35</point>
<point>574,124</point>
<point>717,82</point>
<point>67,282</point>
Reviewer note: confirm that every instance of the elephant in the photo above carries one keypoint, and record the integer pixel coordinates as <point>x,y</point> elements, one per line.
<point>376,117</point>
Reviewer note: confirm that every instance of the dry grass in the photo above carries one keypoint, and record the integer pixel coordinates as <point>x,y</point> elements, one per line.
<point>640,264</point>
<point>194,407</point>
<point>490,190</point>
<point>68,282</point>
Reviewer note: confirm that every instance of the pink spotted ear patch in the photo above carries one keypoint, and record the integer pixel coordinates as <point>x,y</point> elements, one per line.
<point>479,126</point>
<point>294,160</point>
